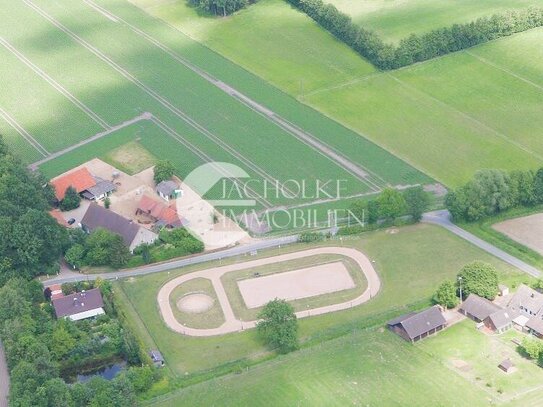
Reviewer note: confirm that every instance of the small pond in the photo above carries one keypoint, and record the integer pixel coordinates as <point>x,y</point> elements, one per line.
<point>107,372</point>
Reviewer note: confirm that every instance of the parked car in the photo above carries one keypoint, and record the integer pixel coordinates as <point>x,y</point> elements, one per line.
<point>71,221</point>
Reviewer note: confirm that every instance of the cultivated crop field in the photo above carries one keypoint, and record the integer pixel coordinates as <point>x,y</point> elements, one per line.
<point>448,117</point>
<point>67,81</point>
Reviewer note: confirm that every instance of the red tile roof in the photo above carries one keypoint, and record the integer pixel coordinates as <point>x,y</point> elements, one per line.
<point>159,211</point>
<point>80,180</point>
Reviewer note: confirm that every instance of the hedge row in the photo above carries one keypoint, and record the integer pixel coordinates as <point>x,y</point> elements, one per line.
<point>416,48</point>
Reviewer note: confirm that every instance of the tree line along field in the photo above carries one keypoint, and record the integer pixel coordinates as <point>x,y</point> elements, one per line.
<point>397,19</point>
<point>76,82</point>
<point>449,117</point>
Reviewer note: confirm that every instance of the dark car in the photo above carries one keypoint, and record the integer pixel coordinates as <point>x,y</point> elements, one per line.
<point>71,221</point>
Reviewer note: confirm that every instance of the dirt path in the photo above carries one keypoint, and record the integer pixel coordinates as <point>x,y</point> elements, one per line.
<point>232,324</point>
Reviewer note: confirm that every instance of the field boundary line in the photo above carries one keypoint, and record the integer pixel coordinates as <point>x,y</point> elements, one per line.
<point>467,116</point>
<point>151,92</point>
<point>37,70</point>
<point>314,142</point>
<point>97,136</point>
<point>24,134</point>
<point>507,71</point>
<point>341,85</point>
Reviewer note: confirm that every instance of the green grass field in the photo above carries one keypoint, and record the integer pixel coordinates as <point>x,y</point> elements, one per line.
<point>411,263</point>
<point>447,117</point>
<point>367,368</point>
<point>114,81</point>
<point>394,20</point>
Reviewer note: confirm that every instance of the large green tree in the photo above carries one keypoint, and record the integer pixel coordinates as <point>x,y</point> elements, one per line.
<point>446,295</point>
<point>391,204</point>
<point>417,202</point>
<point>478,278</point>
<point>104,248</point>
<point>71,200</point>
<point>278,326</point>
<point>163,171</point>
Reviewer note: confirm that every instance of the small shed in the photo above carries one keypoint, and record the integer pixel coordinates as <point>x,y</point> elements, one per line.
<point>503,290</point>
<point>169,190</point>
<point>507,366</point>
<point>156,357</point>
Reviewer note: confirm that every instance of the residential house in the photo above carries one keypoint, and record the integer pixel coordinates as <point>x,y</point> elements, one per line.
<point>86,304</point>
<point>133,234</point>
<point>528,303</point>
<point>418,325</point>
<point>499,321</point>
<point>169,190</point>
<point>487,313</point>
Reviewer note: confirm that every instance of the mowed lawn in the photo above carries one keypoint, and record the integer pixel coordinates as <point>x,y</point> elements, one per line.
<point>454,115</point>
<point>411,263</point>
<point>394,20</point>
<point>367,368</point>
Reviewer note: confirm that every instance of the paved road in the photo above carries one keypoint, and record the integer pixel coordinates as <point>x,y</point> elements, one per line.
<point>4,379</point>
<point>233,324</point>
<point>156,268</point>
<point>442,218</point>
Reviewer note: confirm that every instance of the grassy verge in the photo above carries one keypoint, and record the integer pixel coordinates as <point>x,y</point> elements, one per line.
<point>485,231</point>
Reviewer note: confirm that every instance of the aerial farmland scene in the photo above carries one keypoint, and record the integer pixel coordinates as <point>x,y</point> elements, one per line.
<point>271,203</point>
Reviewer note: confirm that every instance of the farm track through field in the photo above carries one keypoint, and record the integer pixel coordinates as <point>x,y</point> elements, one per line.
<point>152,93</point>
<point>25,134</point>
<point>54,84</point>
<point>363,174</point>
<point>467,116</point>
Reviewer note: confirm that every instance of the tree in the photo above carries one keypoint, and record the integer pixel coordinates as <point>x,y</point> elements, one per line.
<point>107,203</point>
<point>279,326</point>
<point>391,204</point>
<point>71,200</point>
<point>163,171</point>
<point>417,202</point>
<point>479,278</point>
<point>62,342</point>
<point>532,347</point>
<point>104,248</point>
<point>538,186</point>
<point>75,255</point>
<point>446,295</point>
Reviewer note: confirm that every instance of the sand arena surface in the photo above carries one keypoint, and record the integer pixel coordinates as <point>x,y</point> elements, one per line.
<point>232,323</point>
<point>292,285</point>
<point>527,230</point>
<point>196,303</point>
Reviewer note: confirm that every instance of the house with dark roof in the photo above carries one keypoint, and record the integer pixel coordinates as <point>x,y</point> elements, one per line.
<point>169,190</point>
<point>133,234</point>
<point>499,321</point>
<point>418,325</point>
<point>101,190</point>
<point>526,301</point>
<point>478,308</point>
<point>86,304</point>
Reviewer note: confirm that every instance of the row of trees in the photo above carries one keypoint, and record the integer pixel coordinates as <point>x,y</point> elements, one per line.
<point>391,204</point>
<point>220,7</point>
<point>475,278</point>
<point>417,48</point>
<point>37,346</point>
<point>493,191</point>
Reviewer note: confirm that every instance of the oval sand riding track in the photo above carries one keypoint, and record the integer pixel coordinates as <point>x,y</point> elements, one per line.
<point>232,324</point>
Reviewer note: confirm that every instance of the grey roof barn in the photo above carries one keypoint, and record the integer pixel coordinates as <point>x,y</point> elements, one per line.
<point>478,308</point>
<point>417,325</point>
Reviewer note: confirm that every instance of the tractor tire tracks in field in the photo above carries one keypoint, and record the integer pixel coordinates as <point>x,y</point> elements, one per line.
<point>151,92</point>
<point>359,172</point>
<point>24,134</point>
